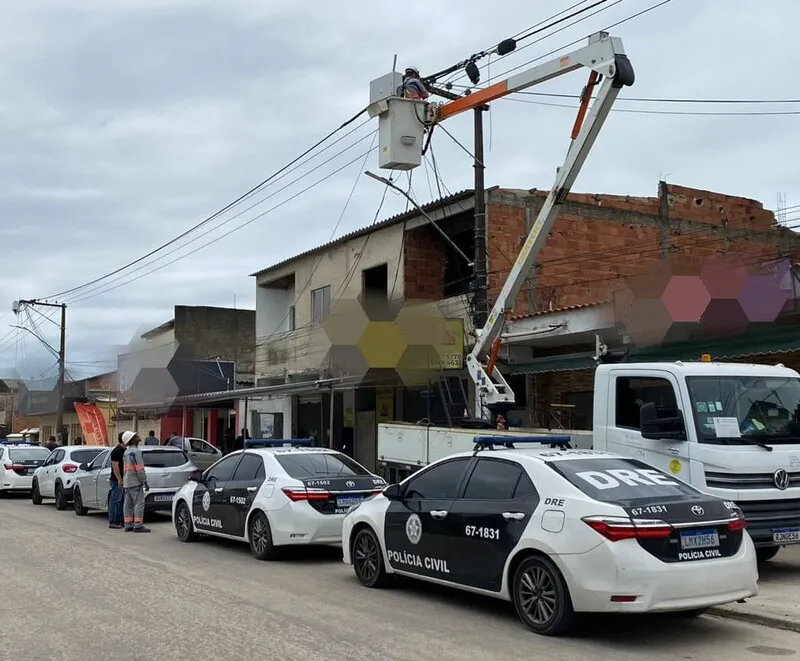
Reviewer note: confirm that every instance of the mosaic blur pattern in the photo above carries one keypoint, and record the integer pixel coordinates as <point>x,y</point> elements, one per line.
<point>675,304</point>
<point>413,342</point>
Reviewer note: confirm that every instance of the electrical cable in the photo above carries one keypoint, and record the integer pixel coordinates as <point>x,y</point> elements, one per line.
<point>102,286</point>
<point>227,207</point>
<point>231,231</point>
<point>668,100</point>
<point>698,113</point>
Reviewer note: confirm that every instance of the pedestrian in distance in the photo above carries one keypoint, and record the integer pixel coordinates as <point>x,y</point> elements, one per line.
<point>78,441</point>
<point>51,444</point>
<point>151,439</point>
<point>134,481</point>
<point>116,480</point>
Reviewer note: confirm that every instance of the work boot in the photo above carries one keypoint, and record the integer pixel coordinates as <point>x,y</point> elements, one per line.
<point>141,529</point>
<point>115,526</point>
<point>128,528</point>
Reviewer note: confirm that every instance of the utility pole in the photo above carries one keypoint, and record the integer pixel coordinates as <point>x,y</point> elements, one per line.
<point>481,274</point>
<point>62,350</point>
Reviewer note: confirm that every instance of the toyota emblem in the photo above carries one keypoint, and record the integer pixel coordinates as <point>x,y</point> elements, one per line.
<point>781,479</point>
<point>697,510</point>
<point>350,483</point>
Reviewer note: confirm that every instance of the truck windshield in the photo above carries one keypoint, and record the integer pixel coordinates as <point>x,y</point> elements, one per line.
<point>745,409</point>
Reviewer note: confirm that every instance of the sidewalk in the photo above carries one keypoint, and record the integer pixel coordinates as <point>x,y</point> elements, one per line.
<point>778,602</point>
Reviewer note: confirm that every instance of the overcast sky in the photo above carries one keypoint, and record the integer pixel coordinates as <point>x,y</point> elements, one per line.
<point>124,123</point>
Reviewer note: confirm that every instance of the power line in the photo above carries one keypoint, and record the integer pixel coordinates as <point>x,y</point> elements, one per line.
<point>231,231</point>
<point>102,287</point>
<point>697,113</point>
<point>194,228</point>
<point>669,100</point>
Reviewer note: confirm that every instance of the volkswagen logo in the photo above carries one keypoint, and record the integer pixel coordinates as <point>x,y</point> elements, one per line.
<point>350,483</point>
<point>697,510</point>
<point>781,479</point>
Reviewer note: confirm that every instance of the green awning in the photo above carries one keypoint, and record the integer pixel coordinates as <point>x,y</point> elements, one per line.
<point>777,341</point>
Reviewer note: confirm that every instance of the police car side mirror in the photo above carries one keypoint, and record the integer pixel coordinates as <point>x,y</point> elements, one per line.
<point>393,492</point>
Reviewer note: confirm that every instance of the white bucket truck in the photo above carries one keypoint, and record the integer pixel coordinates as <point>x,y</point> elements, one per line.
<point>731,430</point>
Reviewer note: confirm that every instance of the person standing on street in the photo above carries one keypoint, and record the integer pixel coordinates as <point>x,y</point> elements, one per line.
<point>115,492</point>
<point>134,481</point>
<point>51,444</point>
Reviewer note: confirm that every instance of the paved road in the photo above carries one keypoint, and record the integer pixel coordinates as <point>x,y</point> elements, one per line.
<point>211,600</point>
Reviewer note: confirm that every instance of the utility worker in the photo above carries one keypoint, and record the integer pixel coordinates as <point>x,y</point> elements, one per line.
<point>413,87</point>
<point>134,481</point>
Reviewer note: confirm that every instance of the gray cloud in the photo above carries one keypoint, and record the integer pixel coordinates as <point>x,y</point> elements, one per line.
<point>125,123</point>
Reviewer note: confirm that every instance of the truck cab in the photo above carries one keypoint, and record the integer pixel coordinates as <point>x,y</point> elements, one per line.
<point>731,430</point>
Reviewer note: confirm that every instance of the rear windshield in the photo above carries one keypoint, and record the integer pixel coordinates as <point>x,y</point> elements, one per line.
<point>301,466</point>
<point>164,458</point>
<point>619,480</point>
<point>84,456</point>
<point>28,454</point>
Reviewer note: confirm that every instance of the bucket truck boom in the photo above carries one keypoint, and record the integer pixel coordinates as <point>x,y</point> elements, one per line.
<point>605,57</point>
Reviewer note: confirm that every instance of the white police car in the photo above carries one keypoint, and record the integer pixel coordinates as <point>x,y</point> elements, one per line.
<point>557,531</point>
<point>274,493</point>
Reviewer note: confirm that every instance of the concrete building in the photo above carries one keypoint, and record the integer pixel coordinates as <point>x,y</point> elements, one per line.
<point>9,405</point>
<point>201,349</point>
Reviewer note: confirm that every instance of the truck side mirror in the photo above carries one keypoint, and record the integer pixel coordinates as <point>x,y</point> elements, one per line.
<point>664,425</point>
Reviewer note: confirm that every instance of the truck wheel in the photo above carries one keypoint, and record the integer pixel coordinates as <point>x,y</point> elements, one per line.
<point>766,553</point>
<point>541,597</point>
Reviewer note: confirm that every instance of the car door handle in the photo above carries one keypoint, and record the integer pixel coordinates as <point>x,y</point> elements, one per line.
<point>513,516</point>
<point>252,489</point>
<point>438,514</point>
<point>218,490</point>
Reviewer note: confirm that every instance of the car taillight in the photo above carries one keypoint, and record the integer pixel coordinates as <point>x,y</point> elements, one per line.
<point>69,468</point>
<point>13,467</point>
<point>736,525</point>
<point>299,493</point>
<point>616,529</point>
<point>375,492</point>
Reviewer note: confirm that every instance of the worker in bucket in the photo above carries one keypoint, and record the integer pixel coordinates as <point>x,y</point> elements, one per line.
<point>413,87</point>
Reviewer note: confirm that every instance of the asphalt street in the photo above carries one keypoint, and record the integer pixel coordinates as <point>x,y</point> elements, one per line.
<point>73,589</point>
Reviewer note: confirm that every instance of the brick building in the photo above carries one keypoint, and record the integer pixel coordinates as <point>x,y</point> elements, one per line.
<point>597,244</point>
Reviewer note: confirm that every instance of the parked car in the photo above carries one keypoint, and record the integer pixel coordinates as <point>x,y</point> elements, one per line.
<point>168,469</point>
<point>56,477</point>
<point>202,453</point>
<point>17,465</point>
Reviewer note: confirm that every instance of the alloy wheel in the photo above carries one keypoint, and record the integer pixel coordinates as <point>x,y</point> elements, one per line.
<point>537,594</point>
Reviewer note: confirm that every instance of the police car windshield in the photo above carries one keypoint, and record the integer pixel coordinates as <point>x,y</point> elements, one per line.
<point>316,464</point>
<point>620,480</point>
<point>28,454</point>
<point>164,458</point>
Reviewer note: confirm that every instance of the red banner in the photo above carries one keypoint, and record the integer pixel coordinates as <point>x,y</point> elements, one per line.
<point>93,424</point>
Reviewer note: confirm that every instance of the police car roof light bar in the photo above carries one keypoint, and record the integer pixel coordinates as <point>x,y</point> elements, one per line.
<point>502,440</point>
<point>278,442</point>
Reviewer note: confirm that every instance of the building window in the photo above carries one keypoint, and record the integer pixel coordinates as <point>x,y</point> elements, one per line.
<point>291,318</point>
<point>320,304</point>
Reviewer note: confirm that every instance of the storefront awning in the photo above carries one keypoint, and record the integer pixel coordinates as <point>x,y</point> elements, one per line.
<point>720,349</point>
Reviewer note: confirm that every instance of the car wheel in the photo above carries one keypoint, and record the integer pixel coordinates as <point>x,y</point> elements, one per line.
<point>36,495</point>
<point>766,553</point>
<point>368,560</point>
<point>260,537</point>
<point>541,597</point>
<point>183,524</point>
<point>77,503</point>
<point>61,498</point>
<point>3,493</point>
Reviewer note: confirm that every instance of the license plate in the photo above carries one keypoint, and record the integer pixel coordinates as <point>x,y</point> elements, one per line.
<point>787,536</point>
<point>699,539</point>
<point>163,498</point>
<point>348,501</point>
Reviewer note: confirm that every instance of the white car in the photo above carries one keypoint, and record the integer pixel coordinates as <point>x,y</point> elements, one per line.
<point>56,477</point>
<point>273,497</point>
<point>17,465</point>
<point>557,532</point>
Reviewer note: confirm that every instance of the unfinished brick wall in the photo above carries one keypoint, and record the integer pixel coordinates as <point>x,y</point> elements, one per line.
<point>601,240</point>
<point>424,261</point>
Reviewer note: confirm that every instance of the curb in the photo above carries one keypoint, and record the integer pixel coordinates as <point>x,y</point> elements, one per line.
<point>771,621</point>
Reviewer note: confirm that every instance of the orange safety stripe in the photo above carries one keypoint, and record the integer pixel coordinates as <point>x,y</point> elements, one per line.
<point>128,519</point>
<point>134,467</point>
<point>135,520</point>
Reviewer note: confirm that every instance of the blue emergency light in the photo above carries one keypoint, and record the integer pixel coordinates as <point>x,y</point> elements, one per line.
<point>278,442</point>
<point>511,441</point>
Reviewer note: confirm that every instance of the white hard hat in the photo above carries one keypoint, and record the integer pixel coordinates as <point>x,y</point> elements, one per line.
<point>414,69</point>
